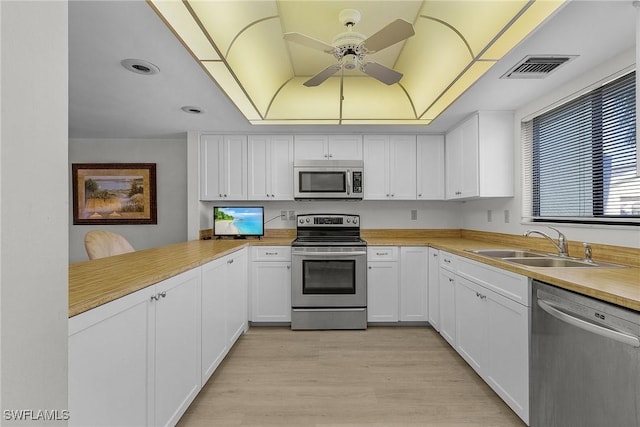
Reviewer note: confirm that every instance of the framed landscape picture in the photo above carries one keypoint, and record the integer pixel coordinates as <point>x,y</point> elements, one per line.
<point>114,193</point>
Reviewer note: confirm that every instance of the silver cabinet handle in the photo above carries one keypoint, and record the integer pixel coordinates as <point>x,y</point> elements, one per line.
<point>230,261</point>
<point>554,311</point>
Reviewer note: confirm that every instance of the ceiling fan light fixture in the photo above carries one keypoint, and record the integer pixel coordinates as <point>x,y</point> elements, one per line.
<point>229,38</point>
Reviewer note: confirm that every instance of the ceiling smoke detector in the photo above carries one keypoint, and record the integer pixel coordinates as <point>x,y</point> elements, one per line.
<point>537,66</point>
<point>140,66</point>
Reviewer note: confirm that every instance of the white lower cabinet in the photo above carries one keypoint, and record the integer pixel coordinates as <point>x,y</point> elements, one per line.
<point>224,308</point>
<point>413,283</point>
<point>142,359</point>
<point>433,293</point>
<point>382,284</point>
<point>397,284</point>
<point>136,360</point>
<point>471,323</point>
<point>447,305</point>
<point>177,346</point>
<point>271,284</point>
<point>492,329</point>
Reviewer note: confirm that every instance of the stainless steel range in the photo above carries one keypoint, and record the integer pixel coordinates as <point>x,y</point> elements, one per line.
<point>329,273</point>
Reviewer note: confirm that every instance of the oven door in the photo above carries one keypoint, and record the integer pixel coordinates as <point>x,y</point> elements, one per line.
<point>324,277</point>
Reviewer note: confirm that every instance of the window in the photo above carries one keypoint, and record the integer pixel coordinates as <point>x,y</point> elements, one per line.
<point>580,159</point>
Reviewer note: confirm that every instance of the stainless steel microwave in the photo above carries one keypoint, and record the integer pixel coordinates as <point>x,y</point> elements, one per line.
<point>328,179</point>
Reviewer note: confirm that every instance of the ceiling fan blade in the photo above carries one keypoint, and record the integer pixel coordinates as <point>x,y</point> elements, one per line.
<point>393,33</point>
<point>384,74</point>
<point>322,75</point>
<point>308,42</point>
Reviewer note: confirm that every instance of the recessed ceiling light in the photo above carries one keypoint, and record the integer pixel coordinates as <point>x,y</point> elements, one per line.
<point>192,110</point>
<point>140,66</point>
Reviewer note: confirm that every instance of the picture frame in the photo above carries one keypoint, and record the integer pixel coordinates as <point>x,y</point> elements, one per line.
<point>114,193</point>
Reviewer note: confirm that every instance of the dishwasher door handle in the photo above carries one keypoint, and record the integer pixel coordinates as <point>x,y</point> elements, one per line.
<point>553,310</point>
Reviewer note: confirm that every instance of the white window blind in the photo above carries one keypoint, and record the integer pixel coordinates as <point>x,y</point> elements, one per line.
<point>579,159</point>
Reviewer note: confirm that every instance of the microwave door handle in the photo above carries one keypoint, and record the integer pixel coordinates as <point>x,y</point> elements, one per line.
<point>348,182</point>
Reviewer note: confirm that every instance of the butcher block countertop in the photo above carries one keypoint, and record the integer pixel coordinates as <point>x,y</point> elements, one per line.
<point>96,282</point>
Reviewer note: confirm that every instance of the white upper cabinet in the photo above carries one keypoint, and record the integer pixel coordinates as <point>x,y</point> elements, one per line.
<point>223,167</point>
<point>270,167</point>
<point>328,147</point>
<point>430,167</point>
<point>390,167</point>
<point>479,156</point>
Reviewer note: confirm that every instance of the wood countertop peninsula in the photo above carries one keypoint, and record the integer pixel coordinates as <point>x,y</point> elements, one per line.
<point>96,282</point>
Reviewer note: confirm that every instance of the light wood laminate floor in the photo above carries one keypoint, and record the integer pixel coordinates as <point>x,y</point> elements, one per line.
<point>384,376</point>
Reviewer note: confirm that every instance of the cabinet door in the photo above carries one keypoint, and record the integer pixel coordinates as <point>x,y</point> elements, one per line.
<point>259,164</point>
<point>271,291</point>
<point>413,284</point>
<point>235,168</point>
<point>471,324</point>
<point>376,167</point>
<point>211,176</point>
<point>177,345</point>
<point>447,306</point>
<point>236,295</point>
<point>508,345</point>
<point>402,167</point>
<point>470,185</point>
<point>345,147</point>
<point>280,166</point>
<point>214,324</point>
<point>311,147</point>
<point>108,358</point>
<point>382,292</point>
<point>430,167</point>
<point>453,163</point>
<point>434,289</point>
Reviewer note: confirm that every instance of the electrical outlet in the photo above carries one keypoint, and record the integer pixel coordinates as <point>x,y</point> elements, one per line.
<point>292,215</point>
<point>283,215</point>
<point>507,216</point>
<point>489,216</point>
<point>414,214</point>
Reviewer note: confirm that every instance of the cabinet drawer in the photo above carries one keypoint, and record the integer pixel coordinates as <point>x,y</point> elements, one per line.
<point>447,261</point>
<point>382,253</point>
<point>510,285</point>
<point>271,253</point>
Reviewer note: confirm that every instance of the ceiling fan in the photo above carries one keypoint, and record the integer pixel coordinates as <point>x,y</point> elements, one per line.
<point>351,48</point>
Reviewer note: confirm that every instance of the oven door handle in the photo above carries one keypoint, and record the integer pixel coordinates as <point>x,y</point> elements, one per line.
<point>330,254</point>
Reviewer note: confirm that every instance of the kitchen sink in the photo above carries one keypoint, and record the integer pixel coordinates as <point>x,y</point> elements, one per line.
<point>539,259</point>
<point>507,253</point>
<point>551,262</point>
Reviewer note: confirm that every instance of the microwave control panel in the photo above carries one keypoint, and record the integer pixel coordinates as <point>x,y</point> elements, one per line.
<point>357,181</point>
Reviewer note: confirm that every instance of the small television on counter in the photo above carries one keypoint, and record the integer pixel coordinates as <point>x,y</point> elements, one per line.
<point>238,222</point>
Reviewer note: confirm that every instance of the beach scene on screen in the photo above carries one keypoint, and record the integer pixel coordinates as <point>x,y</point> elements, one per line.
<point>238,221</point>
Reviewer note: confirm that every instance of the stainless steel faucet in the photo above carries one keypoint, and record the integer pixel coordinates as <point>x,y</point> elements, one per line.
<point>562,240</point>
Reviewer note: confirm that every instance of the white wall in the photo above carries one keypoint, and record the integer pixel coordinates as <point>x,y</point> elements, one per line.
<point>33,209</point>
<point>475,212</point>
<point>170,157</point>
<point>373,214</point>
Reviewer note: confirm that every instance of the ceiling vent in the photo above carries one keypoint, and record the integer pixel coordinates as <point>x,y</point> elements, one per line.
<point>536,66</point>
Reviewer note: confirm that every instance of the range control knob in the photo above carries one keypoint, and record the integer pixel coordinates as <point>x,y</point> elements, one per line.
<point>355,220</point>
<point>301,221</point>
<point>308,220</point>
<point>348,220</point>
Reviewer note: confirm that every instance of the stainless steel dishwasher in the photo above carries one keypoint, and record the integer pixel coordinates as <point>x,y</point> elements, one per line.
<point>585,361</point>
